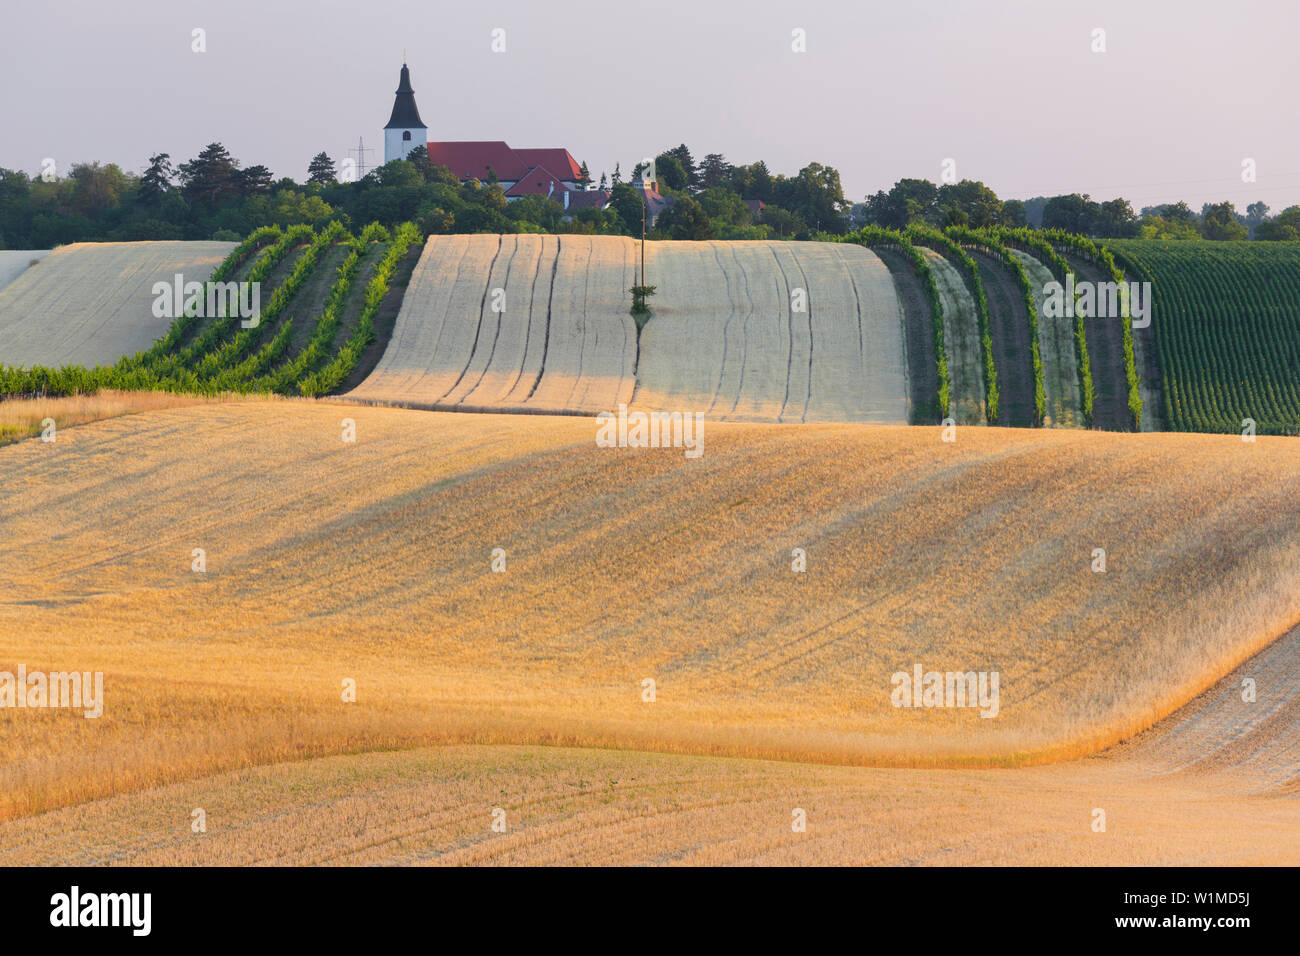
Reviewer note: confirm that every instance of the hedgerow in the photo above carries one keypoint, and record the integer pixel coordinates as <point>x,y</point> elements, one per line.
<point>925,236</point>
<point>1000,252</point>
<point>1085,247</point>
<point>1030,241</point>
<point>336,372</point>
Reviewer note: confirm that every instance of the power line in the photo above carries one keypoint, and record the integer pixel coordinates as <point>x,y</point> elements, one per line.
<point>361,150</point>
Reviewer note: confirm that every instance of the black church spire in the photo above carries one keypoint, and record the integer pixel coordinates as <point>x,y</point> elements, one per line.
<point>405,113</point>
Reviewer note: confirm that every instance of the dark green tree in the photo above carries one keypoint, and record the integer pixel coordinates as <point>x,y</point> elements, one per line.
<point>782,222</point>
<point>321,170</point>
<point>685,219</point>
<point>1284,227</point>
<point>816,196</point>
<point>979,205</point>
<point>253,180</point>
<point>1073,213</point>
<point>1171,212</point>
<point>752,182</point>
<point>1256,213</point>
<point>909,201</point>
<point>96,189</point>
<point>669,172</point>
<point>211,177</point>
<point>1220,221</point>
<point>1115,219</point>
<point>683,156</point>
<point>626,203</point>
<point>714,171</point>
<point>158,179</point>
<point>1013,214</point>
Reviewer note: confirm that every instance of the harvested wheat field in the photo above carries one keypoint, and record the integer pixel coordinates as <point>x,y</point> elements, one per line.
<point>512,323</point>
<point>773,331</point>
<point>25,417</point>
<point>90,303</point>
<point>564,805</point>
<point>756,331</point>
<point>325,561</point>
<point>14,262</point>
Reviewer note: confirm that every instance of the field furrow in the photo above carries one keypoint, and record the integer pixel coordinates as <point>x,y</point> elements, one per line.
<point>756,331</point>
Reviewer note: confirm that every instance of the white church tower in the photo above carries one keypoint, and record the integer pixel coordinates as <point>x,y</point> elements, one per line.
<point>405,130</point>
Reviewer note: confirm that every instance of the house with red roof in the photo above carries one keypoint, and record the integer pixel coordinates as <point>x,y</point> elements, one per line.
<point>546,172</point>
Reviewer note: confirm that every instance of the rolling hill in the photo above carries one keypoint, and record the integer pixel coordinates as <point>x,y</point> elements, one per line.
<point>915,327</point>
<point>373,560</point>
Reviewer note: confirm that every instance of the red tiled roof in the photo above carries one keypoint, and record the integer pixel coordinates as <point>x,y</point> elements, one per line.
<point>560,160</point>
<point>476,158</point>
<point>537,182</point>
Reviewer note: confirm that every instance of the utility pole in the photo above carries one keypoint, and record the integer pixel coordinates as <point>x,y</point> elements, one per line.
<point>361,151</point>
<point>643,282</point>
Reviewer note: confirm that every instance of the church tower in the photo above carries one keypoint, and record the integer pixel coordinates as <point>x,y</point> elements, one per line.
<point>405,130</point>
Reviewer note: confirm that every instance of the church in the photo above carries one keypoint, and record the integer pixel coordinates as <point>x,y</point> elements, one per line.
<point>550,172</point>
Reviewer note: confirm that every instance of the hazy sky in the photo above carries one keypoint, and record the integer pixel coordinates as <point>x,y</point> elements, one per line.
<point>1009,89</point>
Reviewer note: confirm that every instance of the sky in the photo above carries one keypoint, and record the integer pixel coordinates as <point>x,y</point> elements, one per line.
<point>1011,91</point>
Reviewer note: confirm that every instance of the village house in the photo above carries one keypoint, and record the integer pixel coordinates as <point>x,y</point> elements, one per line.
<point>548,172</point>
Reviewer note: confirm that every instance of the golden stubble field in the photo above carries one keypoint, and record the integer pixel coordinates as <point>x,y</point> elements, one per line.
<point>372,561</point>
<point>559,805</point>
<point>28,417</point>
<point>1214,784</point>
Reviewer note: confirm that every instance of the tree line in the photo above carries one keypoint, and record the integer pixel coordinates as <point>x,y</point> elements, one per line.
<point>215,196</point>
<point>975,205</point>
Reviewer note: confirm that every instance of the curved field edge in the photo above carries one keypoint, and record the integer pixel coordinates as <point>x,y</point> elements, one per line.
<point>94,302</point>
<point>294,346</point>
<point>748,331</point>
<point>919,293</point>
<point>1244,728</point>
<point>373,560</point>
<point>1169,793</point>
<point>436,805</point>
